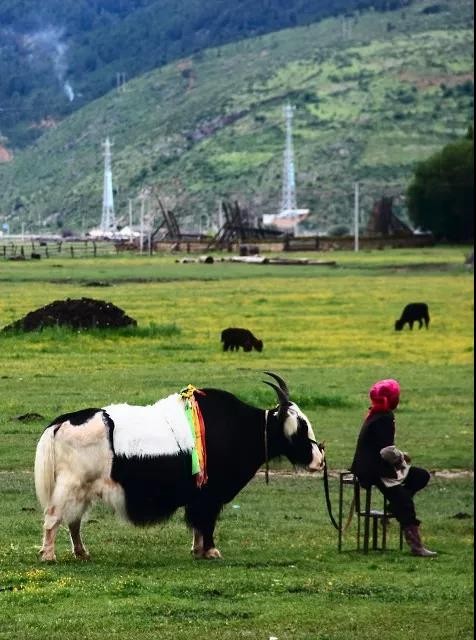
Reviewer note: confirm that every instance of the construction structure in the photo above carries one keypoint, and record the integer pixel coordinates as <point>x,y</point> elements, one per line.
<point>238,226</point>
<point>169,225</point>
<point>108,219</point>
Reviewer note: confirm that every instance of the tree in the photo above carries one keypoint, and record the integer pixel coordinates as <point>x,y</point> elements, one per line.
<point>440,196</point>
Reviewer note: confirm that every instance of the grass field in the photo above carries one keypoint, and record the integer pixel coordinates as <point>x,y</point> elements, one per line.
<point>329,332</point>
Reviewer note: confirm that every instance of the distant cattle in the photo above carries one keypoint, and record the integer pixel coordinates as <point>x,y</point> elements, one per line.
<point>413,312</point>
<point>233,338</point>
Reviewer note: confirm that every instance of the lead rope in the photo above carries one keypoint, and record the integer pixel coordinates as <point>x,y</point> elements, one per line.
<point>266,459</point>
<point>329,506</point>
<point>326,480</point>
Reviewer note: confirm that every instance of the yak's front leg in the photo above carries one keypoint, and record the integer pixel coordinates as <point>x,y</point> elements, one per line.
<point>78,547</point>
<point>197,544</point>
<point>202,516</point>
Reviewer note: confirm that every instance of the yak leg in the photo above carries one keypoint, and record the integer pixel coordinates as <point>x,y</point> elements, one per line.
<point>202,516</point>
<point>50,529</point>
<point>210,552</point>
<point>67,504</point>
<point>79,549</point>
<point>197,544</point>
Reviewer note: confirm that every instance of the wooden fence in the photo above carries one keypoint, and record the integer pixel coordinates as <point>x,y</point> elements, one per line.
<point>34,249</point>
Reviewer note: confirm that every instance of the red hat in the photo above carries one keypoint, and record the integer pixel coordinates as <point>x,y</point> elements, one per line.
<point>385,395</point>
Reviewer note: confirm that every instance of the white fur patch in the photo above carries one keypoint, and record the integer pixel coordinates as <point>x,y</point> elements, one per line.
<point>154,430</point>
<point>291,422</point>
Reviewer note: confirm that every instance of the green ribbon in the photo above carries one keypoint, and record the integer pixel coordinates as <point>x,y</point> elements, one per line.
<point>195,461</point>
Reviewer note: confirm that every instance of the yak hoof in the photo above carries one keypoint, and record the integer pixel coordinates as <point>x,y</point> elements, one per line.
<point>82,555</point>
<point>211,554</point>
<point>47,556</point>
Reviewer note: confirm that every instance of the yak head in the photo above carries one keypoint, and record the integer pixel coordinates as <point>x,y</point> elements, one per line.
<point>398,325</point>
<point>300,445</point>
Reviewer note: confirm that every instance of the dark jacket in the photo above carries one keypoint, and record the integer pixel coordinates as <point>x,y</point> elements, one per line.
<point>377,432</point>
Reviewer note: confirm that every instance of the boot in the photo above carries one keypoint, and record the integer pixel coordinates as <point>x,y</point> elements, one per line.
<point>412,537</point>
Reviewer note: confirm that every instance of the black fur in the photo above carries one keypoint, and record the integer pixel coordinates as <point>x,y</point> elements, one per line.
<point>154,487</point>
<point>76,418</point>
<point>234,432</point>
<point>413,312</point>
<point>233,338</point>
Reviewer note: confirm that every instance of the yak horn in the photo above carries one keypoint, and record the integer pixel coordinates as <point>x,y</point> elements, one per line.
<point>283,399</point>
<point>283,386</point>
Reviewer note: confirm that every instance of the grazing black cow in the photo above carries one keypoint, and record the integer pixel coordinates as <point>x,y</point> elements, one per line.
<point>233,338</point>
<point>139,460</point>
<point>413,312</point>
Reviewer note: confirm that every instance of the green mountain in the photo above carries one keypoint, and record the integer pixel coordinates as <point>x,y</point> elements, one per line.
<point>58,55</point>
<point>373,93</point>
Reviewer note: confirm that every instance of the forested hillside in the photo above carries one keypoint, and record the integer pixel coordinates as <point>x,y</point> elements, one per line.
<point>371,100</point>
<point>58,55</point>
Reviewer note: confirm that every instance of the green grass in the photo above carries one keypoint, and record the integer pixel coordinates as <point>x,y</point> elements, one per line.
<point>329,332</point>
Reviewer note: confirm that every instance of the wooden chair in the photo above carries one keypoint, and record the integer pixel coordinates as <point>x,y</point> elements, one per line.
<point>369,520</point>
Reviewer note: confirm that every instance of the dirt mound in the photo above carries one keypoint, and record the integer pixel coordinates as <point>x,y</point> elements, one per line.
<point>84,313</point>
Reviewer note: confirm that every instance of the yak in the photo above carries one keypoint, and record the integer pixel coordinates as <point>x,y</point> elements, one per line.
<point>233,338</point>
<point>413,312</point>
<point>137,459</point>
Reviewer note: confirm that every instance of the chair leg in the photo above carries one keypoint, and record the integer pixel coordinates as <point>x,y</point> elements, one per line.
<point>374,532</point>
<point>341,499</point>
<point>384,525</point>
<point>368,497</point>
<point>357,511</point>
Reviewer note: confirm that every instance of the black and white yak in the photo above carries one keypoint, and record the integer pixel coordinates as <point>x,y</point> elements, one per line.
<point>138,460</point>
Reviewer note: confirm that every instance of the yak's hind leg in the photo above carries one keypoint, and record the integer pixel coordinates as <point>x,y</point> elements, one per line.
<point>50,529</point>
<point>78,548</point>
<point>67,504</point>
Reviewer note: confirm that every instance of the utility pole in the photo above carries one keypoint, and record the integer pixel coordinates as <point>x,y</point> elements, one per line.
<point>141,240</point>
<point>356,216</point>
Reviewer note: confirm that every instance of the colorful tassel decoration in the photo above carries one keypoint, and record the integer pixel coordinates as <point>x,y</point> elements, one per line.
<point>197,426</point>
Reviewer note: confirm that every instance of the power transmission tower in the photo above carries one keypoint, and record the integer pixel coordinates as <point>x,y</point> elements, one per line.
<point>288,201</point>
<point>108,220</point>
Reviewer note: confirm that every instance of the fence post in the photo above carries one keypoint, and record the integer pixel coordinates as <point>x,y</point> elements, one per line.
<point>72,251</point>
<point>94,248</point>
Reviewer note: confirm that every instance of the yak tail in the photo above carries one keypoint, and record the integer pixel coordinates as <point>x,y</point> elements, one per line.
<point>45,466</point>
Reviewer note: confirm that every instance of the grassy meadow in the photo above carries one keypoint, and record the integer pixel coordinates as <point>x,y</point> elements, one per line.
<point>329,332</point>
